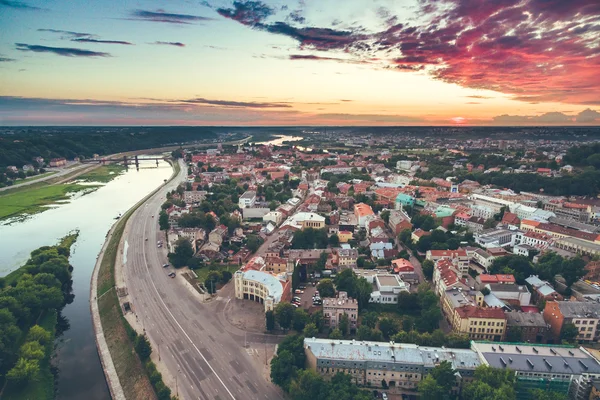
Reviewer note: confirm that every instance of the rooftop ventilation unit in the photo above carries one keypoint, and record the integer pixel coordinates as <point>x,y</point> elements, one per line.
<point>530,363</point>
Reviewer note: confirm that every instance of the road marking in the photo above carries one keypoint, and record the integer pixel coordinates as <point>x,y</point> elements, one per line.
<point>180,327</point>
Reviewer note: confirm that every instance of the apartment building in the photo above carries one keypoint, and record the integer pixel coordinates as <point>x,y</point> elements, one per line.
<point>362,211</point>
<point>584,315</point>
<point>531,327</point>
<point>345,258</point>
<point>479,323</point>
<point>335,307</point>
<point>459,257</point>
<point>194,196</point>
<point>402,366</point>
<point>248,199</point>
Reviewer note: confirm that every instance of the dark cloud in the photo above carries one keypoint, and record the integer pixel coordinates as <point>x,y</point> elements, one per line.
<point>588,115</point>
<point>170,18</point>
<point>249,13</point>
<point>68,34</point>
<point>533,50</point>
<point>478,97</point>
<point>61,51</point>
<point>6,59</point>
<point>89,40</point>
<point>372,118</point>
<point>19,5</point>
<point>176,44</point>
<point>236,104</point>
<point>311,57</point>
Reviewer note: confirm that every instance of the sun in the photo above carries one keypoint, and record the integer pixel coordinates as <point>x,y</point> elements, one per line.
<point>458,120</point>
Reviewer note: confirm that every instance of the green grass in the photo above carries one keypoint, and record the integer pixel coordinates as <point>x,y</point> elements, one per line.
<point>35,198</point>
<point>35,177</point>
<point>103,174</point>
<point>204,271</point>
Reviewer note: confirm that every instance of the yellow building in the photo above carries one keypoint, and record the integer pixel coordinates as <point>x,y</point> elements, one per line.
<point>479,323</point>
<point>345,236</point>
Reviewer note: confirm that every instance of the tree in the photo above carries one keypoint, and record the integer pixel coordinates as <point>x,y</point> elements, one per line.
<point>283,369</point>
<point>301,318</point>
<point>540,394</point>
<point>270,320</point>
<point>405,236</point>
<point>444,375</point>
<point>334,240</point>
<point>388,326</point>
<point>143,347</point>
<point>183,252</point>
<point>429,389</point>
<point>325,288</point>
<point>317,319</point>
<point>385,216</point>
<point>370,319</point>
<point>284,315</point>
<point>163,221</point>
<point>211,281</point>
<point>408,303</point>
<point>253,243</point>
<point>336,334</point>
<point>362,292</point>
<point>363,332</point>
<point>569,333</point>
<point>491,383</point>
<point>310,330</point>
<point>308,385</point>
<point>39,334</point>
<point>24,371</point>
<point>344,324</point>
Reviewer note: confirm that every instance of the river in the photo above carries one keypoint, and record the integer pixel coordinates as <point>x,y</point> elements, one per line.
<point>80,372</point>
<point>282,138</point>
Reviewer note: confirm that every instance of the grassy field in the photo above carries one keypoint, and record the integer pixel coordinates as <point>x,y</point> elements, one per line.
<point>203,272</point>
<point>34,198</point>
<point>104,174</point>
<point>35,177</point>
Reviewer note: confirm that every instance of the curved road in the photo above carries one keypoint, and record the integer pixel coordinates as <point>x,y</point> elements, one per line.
<point>195,343</point>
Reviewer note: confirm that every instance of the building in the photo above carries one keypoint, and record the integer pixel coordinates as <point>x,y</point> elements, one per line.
<point>498,238</point>
<point>58,162</point>
<point>399,221</point>
<point>479,323</point>
<point>515,295</point>
<point>417,234</point>
<point>218,234</point>
<point>485,279</point>
<point>248,199</point>
<point>530,326</point>
<point>303,220</point>
<point>388,287</point>
<point>401,365</point>
<point>194,196</point>
<point>345,236</point>
<point>335,307</point>
<point>459,257</point>
<point>362,211</point>
<point>402,266</point>
<point>542,290</point>
<point>403,200</point>
<point>564,369</point>
<point>275,217</point>
<point>345,258</point>
<point>584,315</point>
<point>253,283</point>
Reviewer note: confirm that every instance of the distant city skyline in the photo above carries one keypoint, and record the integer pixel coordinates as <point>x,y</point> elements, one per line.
<point>279,62</point>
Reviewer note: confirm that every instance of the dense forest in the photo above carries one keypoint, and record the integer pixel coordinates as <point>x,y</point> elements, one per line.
<point>23,146</point>
<point>30,298</point>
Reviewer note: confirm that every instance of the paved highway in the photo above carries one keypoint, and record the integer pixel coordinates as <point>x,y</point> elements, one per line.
<point>196,343</point>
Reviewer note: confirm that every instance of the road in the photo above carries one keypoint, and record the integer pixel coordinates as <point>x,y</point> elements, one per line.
<point>195,341</point>
<point>61,172</point>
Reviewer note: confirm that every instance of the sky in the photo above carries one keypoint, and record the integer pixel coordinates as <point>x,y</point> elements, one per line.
<point>303,62</point>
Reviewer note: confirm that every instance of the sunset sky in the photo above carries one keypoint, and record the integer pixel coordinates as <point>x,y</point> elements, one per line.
<point>304,62</point>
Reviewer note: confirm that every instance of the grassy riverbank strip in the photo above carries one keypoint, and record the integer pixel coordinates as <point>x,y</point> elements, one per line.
<point>138,380</point>
<point>103,174</point>
<point>28,372</point>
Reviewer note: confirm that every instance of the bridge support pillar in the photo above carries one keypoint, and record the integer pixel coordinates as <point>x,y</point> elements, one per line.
<point>137,163</point>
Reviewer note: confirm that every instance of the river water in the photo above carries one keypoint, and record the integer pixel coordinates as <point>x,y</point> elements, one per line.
<point>80,371</point>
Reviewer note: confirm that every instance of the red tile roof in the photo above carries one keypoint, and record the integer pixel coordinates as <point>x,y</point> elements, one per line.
<point>480,312</point>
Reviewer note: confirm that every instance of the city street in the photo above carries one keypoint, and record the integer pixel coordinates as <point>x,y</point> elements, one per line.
<point>195,342</point>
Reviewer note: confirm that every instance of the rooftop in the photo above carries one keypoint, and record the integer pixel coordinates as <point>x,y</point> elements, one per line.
<point>579,309</point>
<point>516,318</point>
<point>391,352</point>
<point>270,281</point>
<point>537,358</point>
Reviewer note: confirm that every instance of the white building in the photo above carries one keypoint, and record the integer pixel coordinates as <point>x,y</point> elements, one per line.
<point>194,196</point>
<point>248,199</point>
<point>260,286</point>
<point>388,289</point>
<point>273,216</point>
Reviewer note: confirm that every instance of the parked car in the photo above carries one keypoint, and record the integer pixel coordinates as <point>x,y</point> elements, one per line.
<point>298,291</point>
<point>172,275</point>
<point>295,305</point>
<point>296,298</point>
<point>165,265</point>
<point>384,396</point>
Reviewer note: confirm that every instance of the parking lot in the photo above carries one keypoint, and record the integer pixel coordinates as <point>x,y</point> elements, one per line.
<point>306,297</point>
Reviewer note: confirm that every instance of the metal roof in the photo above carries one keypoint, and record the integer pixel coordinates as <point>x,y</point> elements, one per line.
<point>428,357</point>
<point>537,358</point>
<point>271,282</point>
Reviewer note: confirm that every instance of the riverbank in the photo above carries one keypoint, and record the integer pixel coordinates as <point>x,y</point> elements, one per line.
<point>126,376</point>
<point>32,375</point>
<point>103,174</point>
